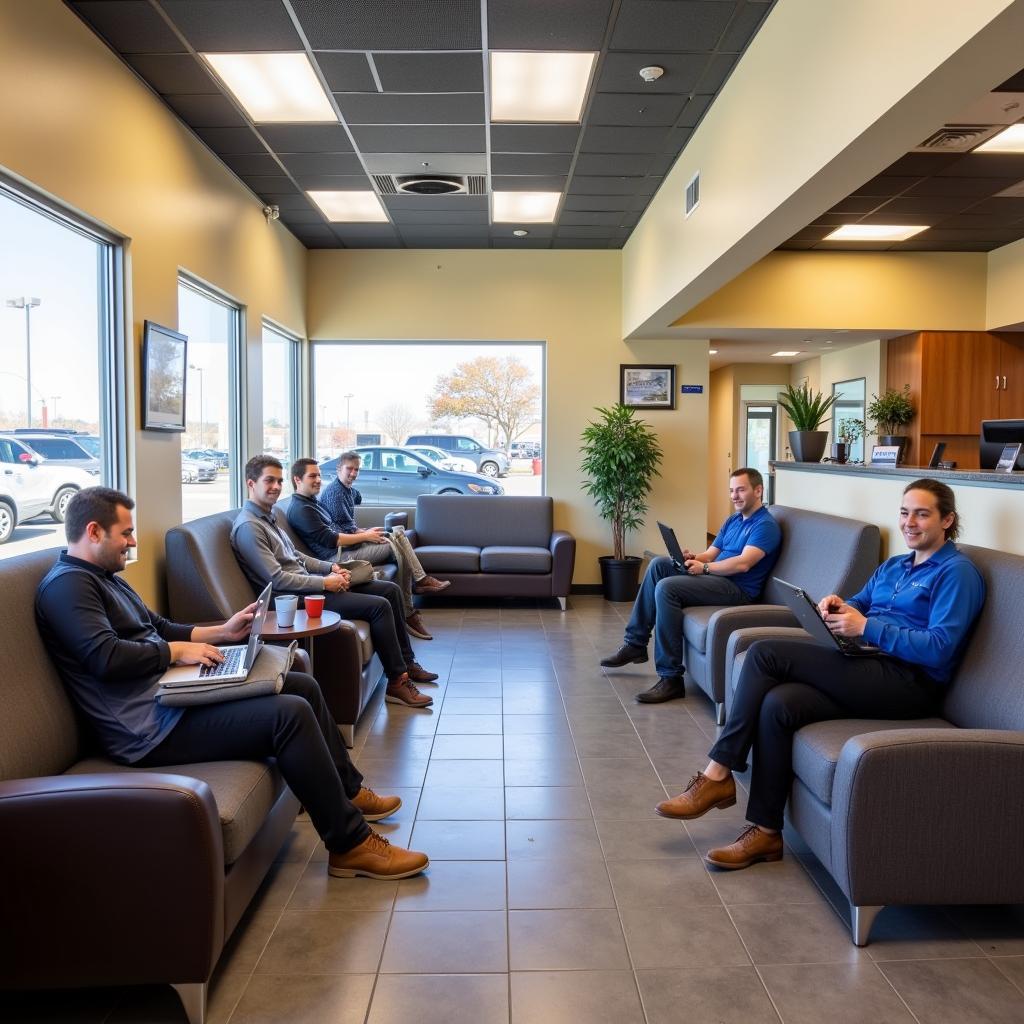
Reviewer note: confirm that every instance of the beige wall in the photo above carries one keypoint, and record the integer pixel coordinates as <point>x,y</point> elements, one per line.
<point>569,300</point>
<point>76,123</point>
<point>1005,299</point>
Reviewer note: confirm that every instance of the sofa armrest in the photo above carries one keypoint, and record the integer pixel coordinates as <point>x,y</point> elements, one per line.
<point>743,639</point>
<point>723,624</point>
<point>338,660</point>
<point>413,538</point>
<point>113,878</point>
<point>563,561</point>
<point>929,816</point>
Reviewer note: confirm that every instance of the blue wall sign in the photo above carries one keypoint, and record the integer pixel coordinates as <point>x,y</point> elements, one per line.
<point>691,389</point>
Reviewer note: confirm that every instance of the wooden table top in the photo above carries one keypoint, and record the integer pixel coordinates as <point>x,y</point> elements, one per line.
<point>304,626</point>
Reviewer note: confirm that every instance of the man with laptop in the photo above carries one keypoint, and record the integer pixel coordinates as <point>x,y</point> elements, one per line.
<point>112,652</point>
<point>731,571</point>
<point>908,625</point>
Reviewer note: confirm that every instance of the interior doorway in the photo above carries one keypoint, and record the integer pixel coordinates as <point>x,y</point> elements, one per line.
<point>761,437</point>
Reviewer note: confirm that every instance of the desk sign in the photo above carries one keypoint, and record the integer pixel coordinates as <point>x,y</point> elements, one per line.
<point>1008,459</point>
<point>885,454</point>
<point>691,389</point>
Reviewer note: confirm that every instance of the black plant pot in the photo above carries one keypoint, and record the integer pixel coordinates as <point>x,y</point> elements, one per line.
<point>620,577</point>
<point>808,445</point>
<point>896,439</point>
<point>840,452</point>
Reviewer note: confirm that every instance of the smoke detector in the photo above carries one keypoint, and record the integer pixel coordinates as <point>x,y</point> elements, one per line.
<point>652,73</point>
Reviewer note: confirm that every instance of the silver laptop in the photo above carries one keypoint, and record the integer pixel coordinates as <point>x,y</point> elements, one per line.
<point>668,535</point>
<point>807,614</point>
<point>238,658</point>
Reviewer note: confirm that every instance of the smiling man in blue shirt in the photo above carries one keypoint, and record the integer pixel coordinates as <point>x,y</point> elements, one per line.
<point>918,609</point>
<point>732,571</point>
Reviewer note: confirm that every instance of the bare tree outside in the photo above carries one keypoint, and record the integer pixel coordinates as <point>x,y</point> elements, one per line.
<point>498,390</point>
<point>397,421</point>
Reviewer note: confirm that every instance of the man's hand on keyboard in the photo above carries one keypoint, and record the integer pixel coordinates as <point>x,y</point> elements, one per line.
<point>185,652</point>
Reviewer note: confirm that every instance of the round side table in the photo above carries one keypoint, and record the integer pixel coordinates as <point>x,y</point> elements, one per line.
<point>303,629</point>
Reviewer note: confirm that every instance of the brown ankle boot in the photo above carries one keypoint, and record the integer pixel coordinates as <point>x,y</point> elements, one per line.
<point>699,797</point>
<point>375,857</point>
<point>402,691</point>
<point>752,844</point>
<point>373,807</point>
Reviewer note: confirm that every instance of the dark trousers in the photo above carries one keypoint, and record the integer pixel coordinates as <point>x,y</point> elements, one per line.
<point>295,727</point>
<point>787,684</point>
<point>380,604</point>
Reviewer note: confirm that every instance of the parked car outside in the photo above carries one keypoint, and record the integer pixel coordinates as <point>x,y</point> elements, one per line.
<point>60,450</point>
<point>489,461</point>
<point>397,476</point>
<point>29,486</point>
<point>196,470</point>
<point>214,455</point>
<point>525,449</point>
<point>446,460</point>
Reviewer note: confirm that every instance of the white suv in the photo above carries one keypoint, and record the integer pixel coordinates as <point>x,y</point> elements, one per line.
<point>29,486</point>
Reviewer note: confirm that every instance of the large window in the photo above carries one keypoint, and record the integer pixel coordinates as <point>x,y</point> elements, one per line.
<point>850,399</point>
<point>280,396</point>
<point>212,443</point>
<point>59,282</point>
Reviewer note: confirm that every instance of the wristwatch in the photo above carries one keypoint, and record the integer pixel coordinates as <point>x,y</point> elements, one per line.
<point>707,569</point>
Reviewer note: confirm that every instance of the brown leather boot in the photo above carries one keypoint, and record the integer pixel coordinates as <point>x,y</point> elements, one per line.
<point>418,674</point>
<point>429,585</point>
<point>373,807</point>
<point>415,625</point>
<point>375,857</point>
<point>402,691</point>
<point>752,844</point>
<point>699,797</point>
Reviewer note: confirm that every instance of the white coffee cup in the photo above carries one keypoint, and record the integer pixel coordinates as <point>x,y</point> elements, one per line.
<point>285,605</point>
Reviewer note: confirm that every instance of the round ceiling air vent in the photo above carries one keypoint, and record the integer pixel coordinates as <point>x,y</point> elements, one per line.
<point>432,185</point>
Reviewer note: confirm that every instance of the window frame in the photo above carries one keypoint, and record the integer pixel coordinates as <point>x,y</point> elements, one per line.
<point>294,390</point>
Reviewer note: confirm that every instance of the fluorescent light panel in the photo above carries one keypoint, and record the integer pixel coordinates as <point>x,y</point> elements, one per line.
<point>525,207</point>
<point>785,354</point>
<point>539,86</point>
<point>349,207</point>
<point>875,232</point>
<point>274,87</point>
<point>712,351</point>
<point>1009,140</point>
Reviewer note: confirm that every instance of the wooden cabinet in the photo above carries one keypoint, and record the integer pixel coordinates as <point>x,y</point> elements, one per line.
<point>1011,376</point>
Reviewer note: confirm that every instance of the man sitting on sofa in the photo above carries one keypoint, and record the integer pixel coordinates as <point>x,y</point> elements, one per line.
<point>732,571</point>
<point>337,541</point>
<point>267,555</point>
<point>111,651</point>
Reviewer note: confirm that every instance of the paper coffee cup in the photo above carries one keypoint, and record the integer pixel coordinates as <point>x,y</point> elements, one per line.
<point>285,606</point>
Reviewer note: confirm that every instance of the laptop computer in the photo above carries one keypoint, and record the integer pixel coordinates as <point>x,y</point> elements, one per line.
<point>807,614</point>
<point>238,658</point>
<point>668,535</point>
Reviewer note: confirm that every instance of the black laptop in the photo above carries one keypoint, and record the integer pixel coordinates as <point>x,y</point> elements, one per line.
<point>807,614</point>
<point>668,535</point>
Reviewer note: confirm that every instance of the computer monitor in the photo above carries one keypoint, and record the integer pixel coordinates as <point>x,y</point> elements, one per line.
<point>995,434</point>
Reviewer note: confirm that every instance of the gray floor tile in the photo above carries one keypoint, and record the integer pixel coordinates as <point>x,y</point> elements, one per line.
<point>317,890</point>
<point>325,942</point>
<point>797,933</point>
<point>705,995</point>
<point>566,940</point>
<point>305,999</point>
<point>955,991</point>
<point>401,746</point>
<point>461,803</point>
<point>1013,968</point>
<point>454,885</point>
<point>447,748</point>
<point>918,933</point>
<point>446,942</point>
<point>535,725</point>
<point>471,774</point>
<point>574,997</point>
<point>440,999</point>
<point>300,842</point>
<point>784,881</point>
<point>460,840</point>
<point>558,884</point>
<point>624,799</point>
<point>693,936</point>
<point>999,930</point>
<point>538,802</point>
<point>601,745</point>
<point>517,703</point>
<point>472,706</point>
<point>680,882</point>
<point>644,840</point>
<point>610,727</point>
<point>838,993</point>
<point>468,725</point>
<point>635,770</point>
<point>473,691</point>
<point>540,747</point>
<point>574,840</point>
<point>386,773</point>
<point>598,704</point>
<point>552,772</point>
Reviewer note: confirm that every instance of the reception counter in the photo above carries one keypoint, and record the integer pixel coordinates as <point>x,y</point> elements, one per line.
<point>991,504</point>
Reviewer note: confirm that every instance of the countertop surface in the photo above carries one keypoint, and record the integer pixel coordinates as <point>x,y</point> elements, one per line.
<point>982,477</point>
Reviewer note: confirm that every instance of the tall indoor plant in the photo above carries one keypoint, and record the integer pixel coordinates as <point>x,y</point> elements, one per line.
<point>891,411</point>
<point>621,456</point>
<point>807,409</point>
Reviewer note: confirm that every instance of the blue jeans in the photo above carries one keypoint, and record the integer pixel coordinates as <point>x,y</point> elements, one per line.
<point>664,595</point>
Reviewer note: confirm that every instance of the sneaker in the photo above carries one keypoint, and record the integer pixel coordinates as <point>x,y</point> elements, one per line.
<point>414,625</point>
<point>752,844</point>
<point>627,654</point>
<point>699,797</point>
<point>429,585</point>
<point>373,807</point>
<point>418,674</point>
<point>402,691</point>
<point>375,857</point>
<point>664,689</point>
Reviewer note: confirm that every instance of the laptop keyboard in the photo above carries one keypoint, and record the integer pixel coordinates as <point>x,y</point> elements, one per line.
<point>232,663</point>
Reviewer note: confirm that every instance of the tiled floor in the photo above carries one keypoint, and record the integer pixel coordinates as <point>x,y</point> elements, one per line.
<point>555,895</point>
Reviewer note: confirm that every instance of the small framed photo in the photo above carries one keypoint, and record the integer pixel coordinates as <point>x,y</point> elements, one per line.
<point>164,359</point>
<point>647,387</point>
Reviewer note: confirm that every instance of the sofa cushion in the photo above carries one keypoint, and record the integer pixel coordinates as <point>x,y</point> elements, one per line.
<point>515,559</point>
<point>245,792</point>
<point>482,520</point>
<point>695,624</point>
<point>816,747</point>
<point>449,558</point>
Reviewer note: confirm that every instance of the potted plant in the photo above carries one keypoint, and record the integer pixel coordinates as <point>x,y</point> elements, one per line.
<point>807,409</point>
<point>891,411</point>
<point>621,456</point>
<point>847,433</point>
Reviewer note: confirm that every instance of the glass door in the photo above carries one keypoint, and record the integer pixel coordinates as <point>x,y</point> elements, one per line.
<point>761,439</point>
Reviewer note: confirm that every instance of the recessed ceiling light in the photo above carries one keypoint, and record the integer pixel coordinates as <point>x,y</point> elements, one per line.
<point>349,207</point>
<point>875,232</point>
<point>786,354</point>
<point>539,86</point>
<point>520,232</point>
<point>1009,140</point>
<point>712,351</point>
<point>525,207</point>
<point>274,87</point>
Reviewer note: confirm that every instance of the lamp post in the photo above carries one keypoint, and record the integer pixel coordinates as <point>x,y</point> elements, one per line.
<point>27,304</point>
<point>348,416</point>
<point>202,407</point>
<point>55,399</point>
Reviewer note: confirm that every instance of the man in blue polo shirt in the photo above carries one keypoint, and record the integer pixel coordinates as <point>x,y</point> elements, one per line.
<point>732,571</point>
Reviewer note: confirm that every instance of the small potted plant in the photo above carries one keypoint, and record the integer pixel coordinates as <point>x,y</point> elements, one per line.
<point>807,409</point>
<point>621,456</point>
<point>847,433</point>
<point>891,411</point>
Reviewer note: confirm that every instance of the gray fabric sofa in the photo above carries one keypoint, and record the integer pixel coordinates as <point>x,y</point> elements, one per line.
<point>494,546</point>
<point>109,875</point>
<point>821,553</point>
<point>926,811</point>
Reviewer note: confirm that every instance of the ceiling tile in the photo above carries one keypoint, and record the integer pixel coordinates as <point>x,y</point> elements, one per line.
<point>635,109</point>
<point>675,140</point>
<point>986,165</point>
<point>419,138</point>
<point>321,163</point>
<point>630,220</point>
<point>435,231</point>
<point>289,202</point>
<point>521,243</point>
<point>920,165</point>
<point>534,138</point>
<point>856,205</point>
<point>458,202</point>
<point>614,164</point>
<point>178,73</point>
<point>391,24</point>
<point>530,163</point>
<point>437,163</point>
<point>694,111</point>
<point>583,185</point>
<point>922,245</point>
<point>1015,84</point>
<point>536,230</point>
<point>426,216</point>
<point>742,27</point>
<point>306,138</point>
<point>718,70</point>
<point>602,202</point>
<point>886,185</point>
<point>661,163</point>
<point>302,217</point>
<point>430,72</point>
<point>608,217</point>
<point>252,163</point>
<point>348,232</point>
<point>1010,208</point>
<point>314,236</point>
<point>346,72</point>
<point>580,243</point>
<point>130,26</point>
<point>206,111</point>
<point>620,72</point>
<point>920,204</point>
<point>648,24</point>
<point>981,224</point>
<point>1000,235</point>
<point>939,186</point>
<point>401,108</point>
<point>623,140</point>
<point>543,25</point>
<point>335,182</point>
<point>373,242</point>
<point>231,140</point>
<point>270,183</point>
<point>583,231</point>
<point>233,26</point>
<point>528,183</point>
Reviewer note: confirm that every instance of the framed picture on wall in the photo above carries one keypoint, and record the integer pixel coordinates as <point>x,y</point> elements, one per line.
<point>164,359</point>
<point>647,387</point>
